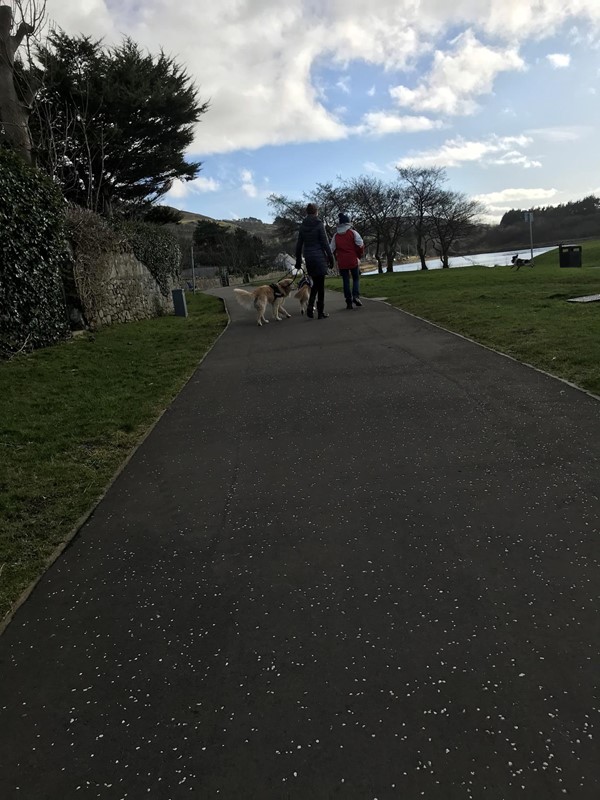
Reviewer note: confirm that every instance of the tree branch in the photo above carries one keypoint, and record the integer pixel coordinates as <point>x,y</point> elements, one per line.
<point>22,31</point>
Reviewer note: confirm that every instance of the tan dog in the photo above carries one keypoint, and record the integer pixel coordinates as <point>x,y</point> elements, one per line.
<point>302,295</point>
<point>273,294</point>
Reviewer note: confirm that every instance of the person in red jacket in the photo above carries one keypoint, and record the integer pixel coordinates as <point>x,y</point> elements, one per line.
<point>348,248</point>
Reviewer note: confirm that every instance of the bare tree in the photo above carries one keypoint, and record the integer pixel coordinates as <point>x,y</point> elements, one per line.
<point>25,17</point>
<point>290,213</point>
<point>452,217</point>
<point>330,201</point>
<point>422,187</point>
<point>243,252</point>
<point>380,212</point>
<point>54,135</point>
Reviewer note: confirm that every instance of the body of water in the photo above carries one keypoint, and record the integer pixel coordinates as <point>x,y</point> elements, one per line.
<point>501,259</point>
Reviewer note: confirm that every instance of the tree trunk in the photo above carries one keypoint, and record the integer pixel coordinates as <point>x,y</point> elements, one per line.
<point>14,115</point>
<point>419,247</point>
<point>390,262</point>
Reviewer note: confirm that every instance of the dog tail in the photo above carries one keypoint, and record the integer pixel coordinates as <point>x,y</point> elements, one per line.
<point>244,298</point>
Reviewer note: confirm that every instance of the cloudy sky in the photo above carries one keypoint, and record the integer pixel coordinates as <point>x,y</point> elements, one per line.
<point>503,93</point>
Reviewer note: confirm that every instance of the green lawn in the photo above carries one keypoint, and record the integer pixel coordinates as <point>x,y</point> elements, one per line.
<point>523,314</point>
<point>70,415</point>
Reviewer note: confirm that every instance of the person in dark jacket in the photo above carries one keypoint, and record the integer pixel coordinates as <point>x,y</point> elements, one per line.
<point>312,240</point>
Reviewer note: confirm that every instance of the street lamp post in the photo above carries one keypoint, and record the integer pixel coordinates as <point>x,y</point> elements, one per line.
<point>193,271</point>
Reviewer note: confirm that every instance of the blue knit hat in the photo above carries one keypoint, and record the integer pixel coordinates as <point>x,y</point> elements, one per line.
<point>343,219</point>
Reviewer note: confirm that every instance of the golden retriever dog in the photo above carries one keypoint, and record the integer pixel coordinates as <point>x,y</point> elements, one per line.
<point>303,293</point>
<point>273,294</point>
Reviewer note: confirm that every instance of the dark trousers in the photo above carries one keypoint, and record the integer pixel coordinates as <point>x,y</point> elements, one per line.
<point>355,273</point>
<point>318,292</point>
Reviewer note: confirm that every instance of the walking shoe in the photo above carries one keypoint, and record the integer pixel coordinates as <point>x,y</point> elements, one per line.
<point>323,315</point>
<point>356,302</point>
<point>349,305</point>
<point>310,313</point>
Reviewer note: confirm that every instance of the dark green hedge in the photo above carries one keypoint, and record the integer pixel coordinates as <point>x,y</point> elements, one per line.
<point>157,249</point>
<point>33,250</point>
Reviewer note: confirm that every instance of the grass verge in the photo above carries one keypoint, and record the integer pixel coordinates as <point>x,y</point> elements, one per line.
<point>524,314</point>
<point>70,415</point>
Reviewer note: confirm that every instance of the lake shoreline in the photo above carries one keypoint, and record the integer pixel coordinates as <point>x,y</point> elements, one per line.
<point>498,259</point>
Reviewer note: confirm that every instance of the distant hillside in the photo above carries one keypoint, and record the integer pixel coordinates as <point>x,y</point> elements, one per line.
<point>184,231</point>
<point>251,224</point>
<point>190,217</point>
<point>256,227</point>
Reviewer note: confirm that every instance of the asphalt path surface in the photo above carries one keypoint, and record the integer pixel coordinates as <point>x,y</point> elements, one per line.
<point>356,558</point>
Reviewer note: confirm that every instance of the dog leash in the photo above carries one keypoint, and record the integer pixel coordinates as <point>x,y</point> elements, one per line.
<point>294,273</point>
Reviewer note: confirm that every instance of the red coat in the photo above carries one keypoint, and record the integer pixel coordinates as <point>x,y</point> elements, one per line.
<point>347,246</point>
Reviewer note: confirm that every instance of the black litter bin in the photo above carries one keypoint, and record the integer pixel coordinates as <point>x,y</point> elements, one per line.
<point>569,255</point>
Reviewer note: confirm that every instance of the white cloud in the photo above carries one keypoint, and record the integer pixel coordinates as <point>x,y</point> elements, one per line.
<point>248,185</point>
<point>256,60</point>
<point>516,19</point>
<point>457,79</point>
<point>344,84</point>
<point>498,203</point>
<point>92,17</point>
<point>379,123</point>
<point>199,185</point>
<point>515,158</point>
<point>459,151</point>
<point>506,197</point>
<point>564,133</point>
<point>559,60</point>
<point>371,166</point>
<point>177,191</point>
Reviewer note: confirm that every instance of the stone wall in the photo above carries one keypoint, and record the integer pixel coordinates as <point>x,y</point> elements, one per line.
<point>126,292</point>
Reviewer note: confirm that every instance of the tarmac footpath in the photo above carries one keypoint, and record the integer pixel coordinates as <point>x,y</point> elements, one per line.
<point>356,558</point>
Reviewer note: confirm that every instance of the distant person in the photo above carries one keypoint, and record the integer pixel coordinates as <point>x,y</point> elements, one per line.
<point>348,248</point>
<point>312,240</point>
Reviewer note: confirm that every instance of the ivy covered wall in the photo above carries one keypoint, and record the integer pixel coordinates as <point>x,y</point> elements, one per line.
<point>64,267</point>
<point>33,253</point>
<point>120,273</point>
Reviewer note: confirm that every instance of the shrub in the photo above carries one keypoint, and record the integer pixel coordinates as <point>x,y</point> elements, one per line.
<point>33,251</point>
<point>92,240</point>
<point>156,248</point>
